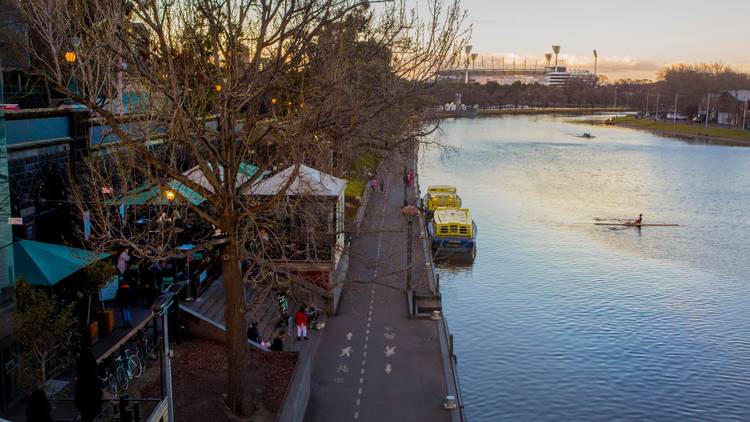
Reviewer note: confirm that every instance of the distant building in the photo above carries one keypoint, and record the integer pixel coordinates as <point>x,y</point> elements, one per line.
<point>549,76</point>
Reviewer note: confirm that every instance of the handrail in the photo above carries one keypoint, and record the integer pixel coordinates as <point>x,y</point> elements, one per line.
<point>219,326</point>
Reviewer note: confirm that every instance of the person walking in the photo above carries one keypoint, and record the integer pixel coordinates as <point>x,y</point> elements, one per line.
<point>382,185</point>
<point>411,178</point>
<point>300,318</point>
<point>373,184</point>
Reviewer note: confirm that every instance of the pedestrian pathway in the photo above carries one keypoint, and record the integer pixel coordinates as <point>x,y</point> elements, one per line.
<point>374,363</point>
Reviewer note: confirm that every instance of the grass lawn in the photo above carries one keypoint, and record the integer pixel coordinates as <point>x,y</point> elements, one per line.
<point>356,187</point>
<point>682,128</point>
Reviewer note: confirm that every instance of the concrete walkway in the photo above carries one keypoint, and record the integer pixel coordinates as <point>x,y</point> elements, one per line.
<point>374,362</point>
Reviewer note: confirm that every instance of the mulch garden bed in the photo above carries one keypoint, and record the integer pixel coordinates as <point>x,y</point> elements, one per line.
<point>199,377</point>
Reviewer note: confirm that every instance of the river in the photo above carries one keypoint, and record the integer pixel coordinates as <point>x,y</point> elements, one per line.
<point>561,320</point>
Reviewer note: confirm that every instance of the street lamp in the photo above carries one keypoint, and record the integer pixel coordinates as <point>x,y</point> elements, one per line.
<point>556,50</point>
<point>160,308</point>
<point>467,49</point>
<point>70,57</point>
<point>409,212</point>
<point>596,60</point>
<point>170,194</point>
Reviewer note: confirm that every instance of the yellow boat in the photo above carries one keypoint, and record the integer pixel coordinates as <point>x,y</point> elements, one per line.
<point>453,230</point>
<point>441,196</point>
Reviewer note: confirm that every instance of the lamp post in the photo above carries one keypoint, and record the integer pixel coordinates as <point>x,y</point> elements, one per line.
<point>596,60</point>
<point>556,50</point>
<point>409,212</point>
<point>161,309</point>
<point>467,49</point>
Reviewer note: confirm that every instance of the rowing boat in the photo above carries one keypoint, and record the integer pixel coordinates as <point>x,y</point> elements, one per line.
<point>637,225</point>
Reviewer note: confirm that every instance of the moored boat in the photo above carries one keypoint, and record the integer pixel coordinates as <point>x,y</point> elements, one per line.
<point>441,196</point>
<point>452,230</point>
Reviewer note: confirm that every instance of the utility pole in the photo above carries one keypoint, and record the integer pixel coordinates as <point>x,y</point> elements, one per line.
<point>596,59</point>
<point>657,106</point>
<point>467,49</point>
<point>708,108</point>
<point>674,115</point>
<point>744,117</point>
<point>615,96</point>
<point>647,95</point>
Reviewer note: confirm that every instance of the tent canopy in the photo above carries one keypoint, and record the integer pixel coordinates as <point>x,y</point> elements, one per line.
<point>246,171</point>
<point>148,194</point>
<point>45,264</point>
<point>308,182</point>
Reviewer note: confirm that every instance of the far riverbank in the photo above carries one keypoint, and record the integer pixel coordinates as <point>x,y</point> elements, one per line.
<point>711,134</point>
<point>531,110</point>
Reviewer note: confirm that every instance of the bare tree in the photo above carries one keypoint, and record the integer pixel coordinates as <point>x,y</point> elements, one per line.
<point>202,97</point>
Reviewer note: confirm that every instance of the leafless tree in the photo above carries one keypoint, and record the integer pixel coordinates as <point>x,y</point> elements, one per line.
<point>213,86</point>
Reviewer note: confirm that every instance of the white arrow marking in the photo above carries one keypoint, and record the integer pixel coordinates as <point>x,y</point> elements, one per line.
<point>349,335</point>
<point>390,351</point>
<point>387,368</point>
<point>346,351</point>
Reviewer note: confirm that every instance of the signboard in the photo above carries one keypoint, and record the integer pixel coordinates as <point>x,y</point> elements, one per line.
<point>15,221</point>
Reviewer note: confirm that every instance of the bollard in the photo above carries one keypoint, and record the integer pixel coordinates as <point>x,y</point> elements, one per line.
<point>450,403</point>
<point>436,316</point>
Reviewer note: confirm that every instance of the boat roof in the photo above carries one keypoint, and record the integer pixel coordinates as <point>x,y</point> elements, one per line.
<point>452,215</point>
<point>444,189</point>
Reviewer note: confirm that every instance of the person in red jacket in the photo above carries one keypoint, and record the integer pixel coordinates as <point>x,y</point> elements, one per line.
<point>300,318</point>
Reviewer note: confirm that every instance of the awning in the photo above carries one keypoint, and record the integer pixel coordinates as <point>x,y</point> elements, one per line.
<point>45,264</point>
<point>153,195</point>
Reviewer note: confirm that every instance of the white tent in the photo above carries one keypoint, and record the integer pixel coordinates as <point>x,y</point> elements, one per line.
<point>307,182</point>
<point>196,175</point>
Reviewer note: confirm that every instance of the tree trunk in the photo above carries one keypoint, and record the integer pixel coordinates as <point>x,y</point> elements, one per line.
<point>238,354</point>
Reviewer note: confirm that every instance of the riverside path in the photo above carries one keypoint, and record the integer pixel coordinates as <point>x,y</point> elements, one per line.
<point>374,363</point>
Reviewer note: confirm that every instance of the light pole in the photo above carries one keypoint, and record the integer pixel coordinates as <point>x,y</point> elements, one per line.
<point>409,212</point>
<point>708,108</point>
<point>615,96</point>
<point>596,59</point>
<point>161,308</point>
<point>556,50</point>
<point>467,49</point>
<point>657,106</point>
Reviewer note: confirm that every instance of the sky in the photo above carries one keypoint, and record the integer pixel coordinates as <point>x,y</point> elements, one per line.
<point>634,38</point>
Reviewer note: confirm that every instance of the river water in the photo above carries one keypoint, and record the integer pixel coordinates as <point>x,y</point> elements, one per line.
<point>562,320</point>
